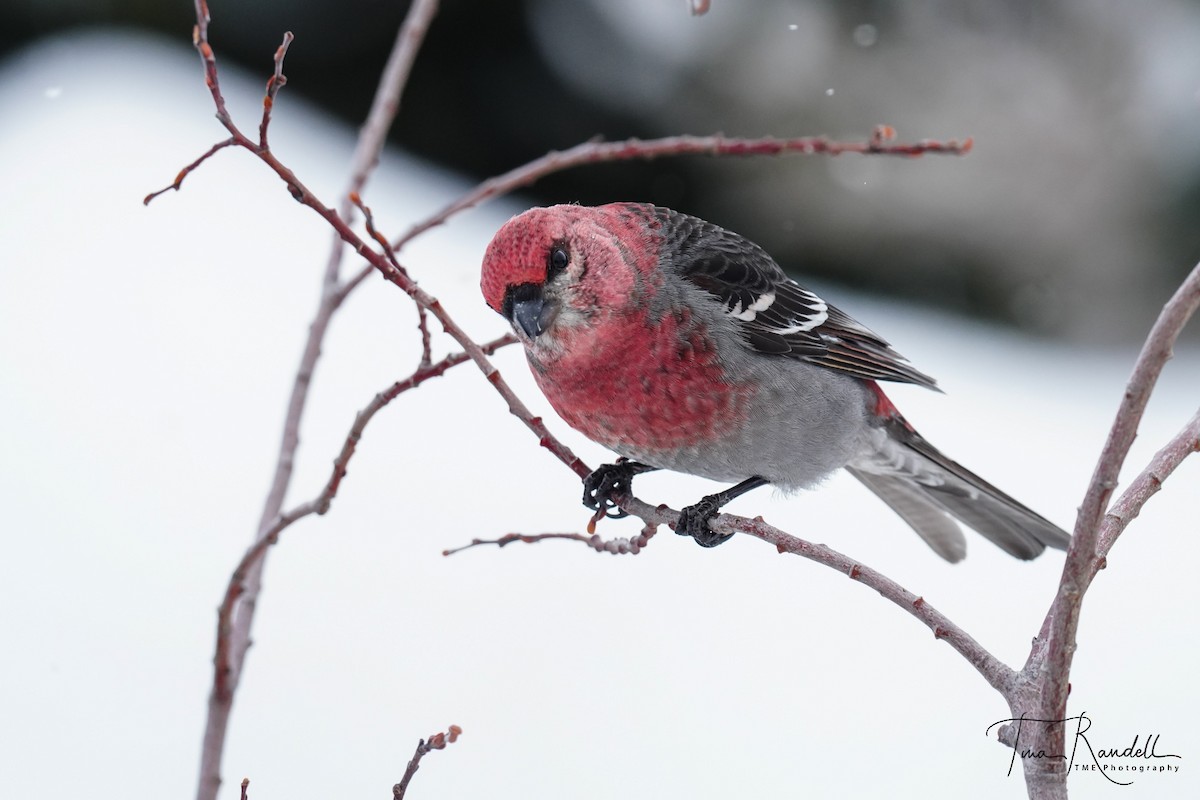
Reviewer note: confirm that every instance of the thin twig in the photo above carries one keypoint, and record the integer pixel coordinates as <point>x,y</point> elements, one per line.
<point>426,341</point>
<point>373,134</point>
<point>595,152</point>
<point>1145,486</point>
<point>373,232</point>
<point>183,173</point>
<point>618,546</point>
<point>436,742</point>
<point>422,314</point>
<point>276,82</point>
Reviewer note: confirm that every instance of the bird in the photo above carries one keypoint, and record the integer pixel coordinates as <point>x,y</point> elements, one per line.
<point>683,346</point>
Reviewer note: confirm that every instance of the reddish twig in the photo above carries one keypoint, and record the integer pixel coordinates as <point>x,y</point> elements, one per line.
<point>436,742</point>
<point>618,546</point>
<point>189,169</point>
<point>384,107</point>
<point>422,314</point>
<point>276,82</point>
<point>245,788</point>
<point>209,61</point>
<point>596,152</point>
<point>373,232</point>
<point>426,341</point>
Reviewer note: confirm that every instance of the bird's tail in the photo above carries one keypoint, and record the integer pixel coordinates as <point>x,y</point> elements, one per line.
<point>927,490</point>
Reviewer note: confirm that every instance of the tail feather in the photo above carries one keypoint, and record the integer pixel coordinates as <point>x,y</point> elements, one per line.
<point>1017,530</point>
<point>922,485</point>
<point>925,517</point>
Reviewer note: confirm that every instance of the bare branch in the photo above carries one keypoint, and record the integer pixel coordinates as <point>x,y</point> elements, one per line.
<point>422,314</point>
<point>1054,649</point>
<point>1149,365</point>
<point>436,742</point>
<point>596,152</point>
<point>386,103</point>
<point>373,232</point>
<point>384,107</point>
<point>1145,486</point>
<point>276,82</point>
<point>619,546</point>
<point>183,173</point>
<point>426,343</point>
<point>999,675</point>
<point>209,61</point>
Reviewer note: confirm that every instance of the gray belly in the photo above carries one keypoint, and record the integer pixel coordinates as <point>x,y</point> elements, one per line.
<point>804,423</point>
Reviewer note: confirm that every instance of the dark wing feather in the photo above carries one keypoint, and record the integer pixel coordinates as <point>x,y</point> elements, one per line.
<point>777,315</point>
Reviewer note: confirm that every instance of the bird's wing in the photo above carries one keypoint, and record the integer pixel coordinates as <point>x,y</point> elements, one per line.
<point>777,315</point>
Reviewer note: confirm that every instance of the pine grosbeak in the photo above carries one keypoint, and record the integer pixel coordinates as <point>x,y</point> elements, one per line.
<point>683,346</point>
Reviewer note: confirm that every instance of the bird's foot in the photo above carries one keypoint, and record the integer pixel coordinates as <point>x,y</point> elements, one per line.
<point>693,522</point>
<point>608,480</point>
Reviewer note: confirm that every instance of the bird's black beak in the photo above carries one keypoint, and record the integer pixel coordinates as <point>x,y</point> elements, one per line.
<point>525,305</point>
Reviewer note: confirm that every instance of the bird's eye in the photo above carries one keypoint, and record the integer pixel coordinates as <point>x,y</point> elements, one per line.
<point>557,261</point>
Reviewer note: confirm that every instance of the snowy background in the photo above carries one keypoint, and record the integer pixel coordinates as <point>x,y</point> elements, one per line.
<point>145,359</point>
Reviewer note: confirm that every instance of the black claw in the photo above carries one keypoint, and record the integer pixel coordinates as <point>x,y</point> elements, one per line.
<point>608,480</point>
<point>693,522</point>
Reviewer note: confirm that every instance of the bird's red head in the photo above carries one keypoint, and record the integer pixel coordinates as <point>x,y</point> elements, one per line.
<point>519,253</point>
<point>573,259</point>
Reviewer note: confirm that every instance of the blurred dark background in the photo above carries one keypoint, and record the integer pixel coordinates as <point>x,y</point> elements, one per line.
<point>1075,215</point>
